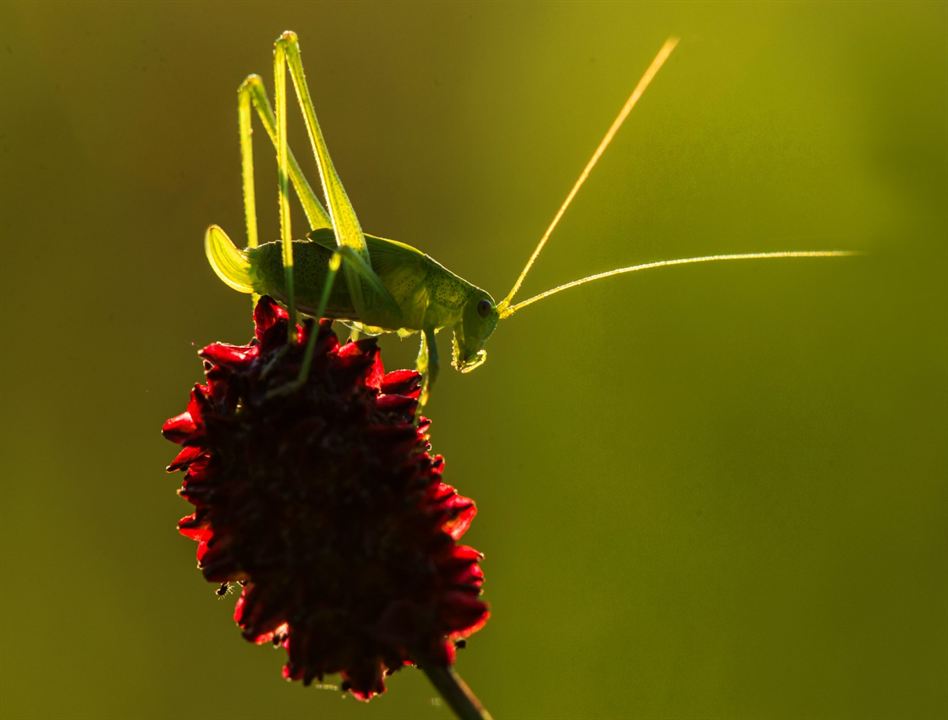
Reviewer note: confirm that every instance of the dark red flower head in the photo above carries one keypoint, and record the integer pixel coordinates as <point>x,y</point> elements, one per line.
<point>323,501</point>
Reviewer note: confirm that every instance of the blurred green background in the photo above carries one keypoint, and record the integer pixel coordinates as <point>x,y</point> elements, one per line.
<point>706,492</point>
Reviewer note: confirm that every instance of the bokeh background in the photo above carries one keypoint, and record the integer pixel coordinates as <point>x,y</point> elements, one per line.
<point>706,492</point>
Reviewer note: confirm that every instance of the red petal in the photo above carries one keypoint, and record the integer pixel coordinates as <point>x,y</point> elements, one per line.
<point>192,528</point>
<point>184,458</point>
<point>216,560</point>
<point>395,403</point>
<point>459,510</point>
<point>198,403</point>
<point>470,579</point>
<point>179,428</point>
<point>362,355</point>
<point>196,492</point>
<point>442,653</point>
<point>201,550</point>
<point>460,524</point>
<point>251,614</point>
<point>229,355</point>
<point>365,680</point>
<point>267,314</point>
<point>362,347</point>
<point>376,372</point>
<point>462,614</point>
<point>462,570</point>
<point>465,554</point>
<point>401,382</point>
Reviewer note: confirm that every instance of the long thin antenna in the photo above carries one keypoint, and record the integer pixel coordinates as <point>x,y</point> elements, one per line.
<point>509,310</point>
<point>643,83</point>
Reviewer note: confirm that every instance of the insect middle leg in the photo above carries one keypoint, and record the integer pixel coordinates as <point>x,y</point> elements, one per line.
<point>428,363</point>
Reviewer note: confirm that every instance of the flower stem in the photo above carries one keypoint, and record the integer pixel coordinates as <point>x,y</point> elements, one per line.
<point>455,692</point>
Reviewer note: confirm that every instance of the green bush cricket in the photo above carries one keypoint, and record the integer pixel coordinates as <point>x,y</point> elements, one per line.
<point>389,286</point>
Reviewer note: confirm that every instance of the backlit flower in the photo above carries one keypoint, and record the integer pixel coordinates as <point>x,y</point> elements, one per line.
<point>322,501</point>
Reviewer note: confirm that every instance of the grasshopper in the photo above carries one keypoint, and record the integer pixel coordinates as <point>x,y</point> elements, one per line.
<point>389,286</point>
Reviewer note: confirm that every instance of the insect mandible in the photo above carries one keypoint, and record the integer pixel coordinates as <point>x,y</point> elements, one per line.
<point>389,286</point>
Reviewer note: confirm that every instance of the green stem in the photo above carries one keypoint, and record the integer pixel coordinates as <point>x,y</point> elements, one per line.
<point>456,693</point>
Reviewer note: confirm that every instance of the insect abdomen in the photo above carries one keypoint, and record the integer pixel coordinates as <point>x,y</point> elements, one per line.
<point>310,267</point>
<point>426,295</point>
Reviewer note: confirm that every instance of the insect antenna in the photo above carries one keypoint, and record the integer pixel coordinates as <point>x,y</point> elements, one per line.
<point>509,310</point>
<point>504,306</point>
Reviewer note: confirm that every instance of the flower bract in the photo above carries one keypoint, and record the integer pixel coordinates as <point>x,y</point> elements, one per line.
<point>321,500</point>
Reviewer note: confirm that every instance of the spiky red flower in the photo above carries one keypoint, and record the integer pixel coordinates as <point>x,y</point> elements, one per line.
<point>322,500</point>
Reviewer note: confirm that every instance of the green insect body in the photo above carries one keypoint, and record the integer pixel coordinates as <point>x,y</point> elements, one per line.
<point>424,296</point>
<point>389,286</point>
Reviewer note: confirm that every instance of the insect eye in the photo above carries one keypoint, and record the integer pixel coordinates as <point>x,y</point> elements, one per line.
<point>484,308</point>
